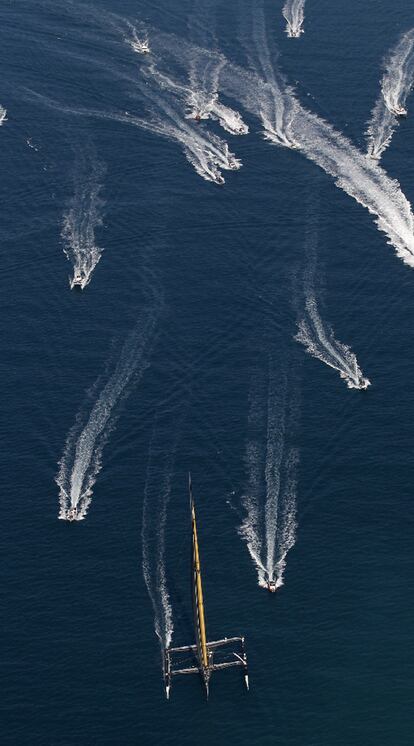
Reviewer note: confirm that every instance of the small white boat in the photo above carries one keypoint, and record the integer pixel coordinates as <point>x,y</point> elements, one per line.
<point>141,46</point>
<point>398,111</point>
<point>72,515</point>
<point>77,281</point>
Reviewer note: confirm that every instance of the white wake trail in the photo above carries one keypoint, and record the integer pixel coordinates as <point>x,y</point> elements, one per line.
<point>154,518</point>
<point>380,129</point>
<point>360,177</point>
<point>82,456</point>
<point>316,336</point>
<point>84,215</point>
<point>200,99</point>
<point>204,73</point>
<point>396,83</point>
<point>266,95</point>
<point>294,13</point>
<point>269,527</point>
<point>398,78</point>
<point>3,115</point>
<point>208,153</point>
<point>203,94</point>
<point>285,122</point>
<point>277,104</point>
<point>139,44</point>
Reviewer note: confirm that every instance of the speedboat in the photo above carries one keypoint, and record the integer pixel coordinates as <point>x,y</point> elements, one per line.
<point>72,515</point>
<point>271,586</point>
<point>215,176</point>
<point>398,111</point>
<point>77,281</point>
<point>142,47</point>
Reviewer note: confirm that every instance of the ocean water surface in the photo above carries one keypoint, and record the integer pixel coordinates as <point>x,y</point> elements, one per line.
<point>184,353</point>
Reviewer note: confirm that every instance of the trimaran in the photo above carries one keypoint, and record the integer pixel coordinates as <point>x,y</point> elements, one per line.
<point>204,652</point>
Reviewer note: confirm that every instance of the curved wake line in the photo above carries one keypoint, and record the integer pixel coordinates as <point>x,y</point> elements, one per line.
<point>269,528</point>
<point>265,94</point>
<point>294,13</point>
<point>207,153</point>
<point>154,518</point>
<point>3,115</point>
<point>202,97</point>
<point>293,126</point>
<point>83,216</point>
<point>396,83</point>
<point>286,123</point>
<point>82,456</point>
<point>316,336</point>
<point>320,342</point>
<point>360,178</point>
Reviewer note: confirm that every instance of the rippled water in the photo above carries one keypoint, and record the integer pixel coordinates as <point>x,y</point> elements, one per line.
<point>331,657</point>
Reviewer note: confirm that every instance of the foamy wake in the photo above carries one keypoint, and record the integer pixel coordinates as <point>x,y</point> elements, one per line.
<point>3,115</point>
<point>294,13</point>
<point>202,95</point>
<point>396,83</point>
<point>200,99</point>
<point>380,129</point>
<point>398,78</point>
<point>361,178</point>
<point>314,333</point>
<point>82,456</point>
<point>263,92</point>
<point>269,527</point>
<point>320,342</point>
<point>154,517</point>
<point>208,153</point>
<point>139,43</point>
<point>83,216</point>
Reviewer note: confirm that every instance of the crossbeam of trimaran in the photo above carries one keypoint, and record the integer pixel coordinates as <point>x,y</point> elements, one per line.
<point>206,654</point>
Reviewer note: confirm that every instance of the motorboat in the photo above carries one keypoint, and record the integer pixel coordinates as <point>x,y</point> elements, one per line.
<point>398,111</point>
<point>72,515</point>
<point>215,176</point>
<point>141,46</point>
<point>77,281</point>
<point>271,586</point>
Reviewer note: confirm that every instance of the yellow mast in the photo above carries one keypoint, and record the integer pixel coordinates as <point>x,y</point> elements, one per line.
<point>200,603</point>
<point>203,651</point>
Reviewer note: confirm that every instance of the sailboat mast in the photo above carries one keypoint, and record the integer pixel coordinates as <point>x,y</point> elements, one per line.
<point>198,601</point>
<point>204,651</point>
<point>199,594</point>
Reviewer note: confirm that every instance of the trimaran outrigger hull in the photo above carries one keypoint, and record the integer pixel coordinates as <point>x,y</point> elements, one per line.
<point>202,651</point>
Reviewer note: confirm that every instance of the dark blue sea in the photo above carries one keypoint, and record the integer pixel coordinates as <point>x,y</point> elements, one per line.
<point>179,355</point>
